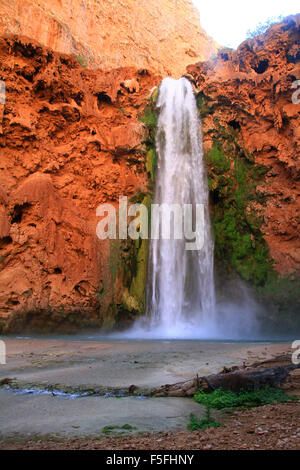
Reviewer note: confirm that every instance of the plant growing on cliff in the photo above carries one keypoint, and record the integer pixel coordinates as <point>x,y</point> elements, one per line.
<point>233,178</point>
<point>82,61</point>
<point>240,246</point>
<point>261,28</point>
<point>284,293</point>
<point>202,105</point>
<point>149,118</point>
<point>129,258</point>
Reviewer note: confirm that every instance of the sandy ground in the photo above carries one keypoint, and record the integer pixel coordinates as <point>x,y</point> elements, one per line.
<point>25,418</point>
<point>123,363</point>
<point>29,415</point>
<point>267,427</point>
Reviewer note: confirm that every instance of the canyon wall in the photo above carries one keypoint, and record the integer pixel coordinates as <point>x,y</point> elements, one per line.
<point>247,93</point>
<point>70,139</point>
<point>162,36</point>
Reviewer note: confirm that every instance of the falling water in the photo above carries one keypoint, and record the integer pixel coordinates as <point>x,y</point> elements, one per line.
<point>180,289</point>
<point>180,293</point>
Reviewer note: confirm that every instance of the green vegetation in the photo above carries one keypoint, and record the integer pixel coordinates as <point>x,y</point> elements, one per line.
<point>233,178</point>
<point>220,399</point>
<point>128,261</point>
<point>82,61</point>
<point>151,161</point>
<point>284,293</point>
<point>204,423</point>
<point>202,105</point>
<point>236,208</point>
<point>261,28</point>
<point>134,253</point>
<point>218,161</point>
<point>149,118</point>
<point>111,429</point>
<point>225,49</point>
<point>126,286</point>
<point>138,285</point>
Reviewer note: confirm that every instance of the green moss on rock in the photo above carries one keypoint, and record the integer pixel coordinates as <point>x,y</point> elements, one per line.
<point>239,243</point>
<point>124,290</point>
<point>203,105</point>
<point>151,161</point>
<point>139,281</point>
<point>240,247</point>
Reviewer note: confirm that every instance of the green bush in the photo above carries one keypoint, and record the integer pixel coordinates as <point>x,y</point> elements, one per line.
<point>261,28</point>
<point>220,399</point>
<point>204,423</point>
<point>217,160</point>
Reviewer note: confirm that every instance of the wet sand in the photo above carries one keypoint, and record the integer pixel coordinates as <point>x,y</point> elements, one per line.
<point>108,366</point>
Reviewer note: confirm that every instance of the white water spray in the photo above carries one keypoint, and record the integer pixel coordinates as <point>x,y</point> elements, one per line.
<point>181,282</point>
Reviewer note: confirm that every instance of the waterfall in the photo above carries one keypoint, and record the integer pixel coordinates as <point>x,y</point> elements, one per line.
<point>180,294</point>
<point>181,300</point>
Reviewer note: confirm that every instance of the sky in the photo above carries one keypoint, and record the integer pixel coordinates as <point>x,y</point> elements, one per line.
<point>228,21</point>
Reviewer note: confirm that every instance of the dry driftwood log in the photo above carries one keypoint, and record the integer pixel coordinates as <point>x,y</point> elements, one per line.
<point>273,372</point>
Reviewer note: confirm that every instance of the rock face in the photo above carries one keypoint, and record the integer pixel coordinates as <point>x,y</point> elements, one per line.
<point>162,36</point>
<point>249,91</point>
<point>69,141</point>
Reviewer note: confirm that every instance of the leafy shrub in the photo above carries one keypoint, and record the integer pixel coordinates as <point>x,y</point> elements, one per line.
<point>261,28</point>
<point>204,423</point>
<point>219,162</point>
<point>220,399</point>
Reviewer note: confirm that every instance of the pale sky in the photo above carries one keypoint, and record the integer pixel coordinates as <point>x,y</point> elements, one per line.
<point>227,21</point>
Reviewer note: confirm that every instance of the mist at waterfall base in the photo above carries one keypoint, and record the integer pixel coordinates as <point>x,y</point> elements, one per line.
<point>181,300</point>
<point>237,319</point>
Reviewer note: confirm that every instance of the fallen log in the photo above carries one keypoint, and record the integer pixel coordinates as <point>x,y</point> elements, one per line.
<point>234,379</point>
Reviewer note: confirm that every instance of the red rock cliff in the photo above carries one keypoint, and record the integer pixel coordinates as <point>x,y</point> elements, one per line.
<point>251,91</point>
<point>69,141</point>
<point>163,36</point>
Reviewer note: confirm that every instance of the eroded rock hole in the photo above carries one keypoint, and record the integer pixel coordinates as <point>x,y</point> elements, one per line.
<point>18,212</point>
<point>234,124</point>
<point>102,98</point>
<point>5,241</point>
<point>262,66</point>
